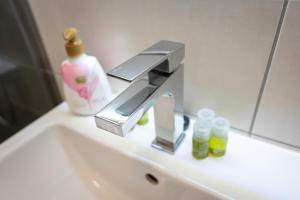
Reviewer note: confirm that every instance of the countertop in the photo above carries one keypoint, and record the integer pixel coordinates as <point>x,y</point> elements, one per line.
<point>250,169</point>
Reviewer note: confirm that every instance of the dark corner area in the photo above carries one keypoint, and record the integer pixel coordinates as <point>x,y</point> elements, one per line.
<point>27,84</point>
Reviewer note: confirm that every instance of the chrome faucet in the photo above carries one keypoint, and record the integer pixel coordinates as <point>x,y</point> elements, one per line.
<point>156,79</point>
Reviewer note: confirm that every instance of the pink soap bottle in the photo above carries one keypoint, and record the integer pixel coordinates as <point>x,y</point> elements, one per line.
<point>86,87</point>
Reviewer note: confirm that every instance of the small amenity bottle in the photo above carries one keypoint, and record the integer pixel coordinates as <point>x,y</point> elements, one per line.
<point>86,87</point>
<point>219,136</point>
<point>201,135</point>
<point>144,119</point>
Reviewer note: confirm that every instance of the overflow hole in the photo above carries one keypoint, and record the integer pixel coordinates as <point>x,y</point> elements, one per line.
<point>151,179</point>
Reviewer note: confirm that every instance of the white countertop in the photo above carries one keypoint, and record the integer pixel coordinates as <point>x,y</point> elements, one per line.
<point>251,169</point>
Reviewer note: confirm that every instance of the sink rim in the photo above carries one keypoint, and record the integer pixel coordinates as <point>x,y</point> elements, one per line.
<point>228,182</point>
<point>16,142</point>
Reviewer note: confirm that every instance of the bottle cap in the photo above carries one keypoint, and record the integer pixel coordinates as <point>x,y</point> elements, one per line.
<point>206,115</point>
<point>73,45</point>
<point>203,123</point>
<point>201,132</point>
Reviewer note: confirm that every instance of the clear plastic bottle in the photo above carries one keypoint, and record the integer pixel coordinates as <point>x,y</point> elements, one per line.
<point>201,135</point>
<point>219,137</point>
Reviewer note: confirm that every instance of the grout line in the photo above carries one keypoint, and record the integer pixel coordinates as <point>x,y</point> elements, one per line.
<point>269,63</point>
<point>238,130</point>
<point>271,140</point>
<point>259,137</point>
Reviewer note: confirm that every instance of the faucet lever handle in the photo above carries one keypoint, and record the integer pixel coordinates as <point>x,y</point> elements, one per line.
<point>155,52</point>
<point>164,56</point>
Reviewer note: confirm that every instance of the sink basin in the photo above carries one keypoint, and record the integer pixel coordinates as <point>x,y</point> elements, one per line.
<point>62,156</point>
<point>60,163</point>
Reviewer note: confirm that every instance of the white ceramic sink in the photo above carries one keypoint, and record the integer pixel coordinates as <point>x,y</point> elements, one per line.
<point>62,156</point>
<point>60,163</point>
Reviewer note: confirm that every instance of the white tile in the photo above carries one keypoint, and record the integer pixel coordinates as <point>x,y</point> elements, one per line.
<point>227,42</point>
<point>279,113</point>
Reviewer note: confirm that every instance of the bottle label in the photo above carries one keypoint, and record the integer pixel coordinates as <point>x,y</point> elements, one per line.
<point>217,143</point>
<point>200,148</point>
<point>79,79</point>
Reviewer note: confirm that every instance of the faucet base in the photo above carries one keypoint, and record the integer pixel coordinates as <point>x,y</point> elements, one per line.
<point>167,146</point>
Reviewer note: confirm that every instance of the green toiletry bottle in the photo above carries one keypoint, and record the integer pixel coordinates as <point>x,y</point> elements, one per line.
<point>201,135</point>
<point>143,120</point>
<point>219,137</point>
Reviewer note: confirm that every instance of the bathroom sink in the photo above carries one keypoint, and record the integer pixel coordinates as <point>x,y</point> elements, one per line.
<point>60,163</point>
<point>62,156</point>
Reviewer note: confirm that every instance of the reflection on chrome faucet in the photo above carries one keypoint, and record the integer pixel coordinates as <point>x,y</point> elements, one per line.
<point>156,79</point>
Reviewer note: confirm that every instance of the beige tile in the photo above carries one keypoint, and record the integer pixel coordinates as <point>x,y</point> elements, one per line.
<point>50,26</point>
<point>279,113</point>
<point>227,42</point>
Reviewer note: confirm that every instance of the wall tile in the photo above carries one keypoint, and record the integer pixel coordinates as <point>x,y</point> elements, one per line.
<point>227,42</point>
<point>279,113</point>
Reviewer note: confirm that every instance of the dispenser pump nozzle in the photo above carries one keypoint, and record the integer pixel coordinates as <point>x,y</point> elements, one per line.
<point>73,45</point>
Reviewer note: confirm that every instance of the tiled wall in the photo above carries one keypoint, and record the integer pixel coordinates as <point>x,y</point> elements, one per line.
<point>228,45</point>
<point>279,112</point>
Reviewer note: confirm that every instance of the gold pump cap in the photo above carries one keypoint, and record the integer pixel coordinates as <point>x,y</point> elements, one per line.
<point>73,45</point>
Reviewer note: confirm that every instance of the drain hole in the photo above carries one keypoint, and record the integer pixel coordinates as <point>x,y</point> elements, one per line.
<point>151,179</point>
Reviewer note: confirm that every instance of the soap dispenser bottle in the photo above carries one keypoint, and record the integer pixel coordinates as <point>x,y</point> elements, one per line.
<point>86,87</point>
